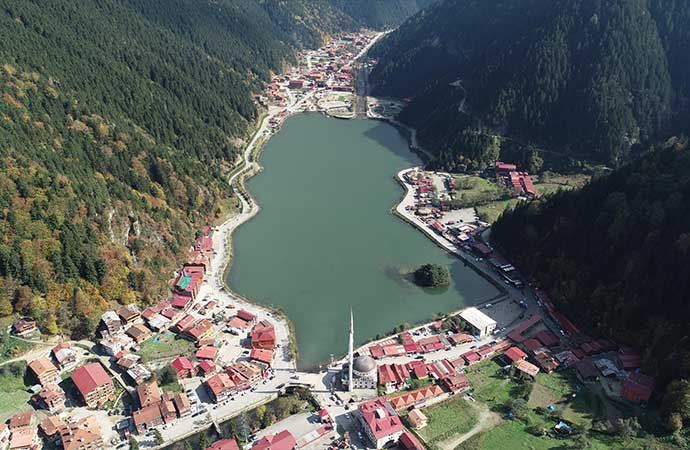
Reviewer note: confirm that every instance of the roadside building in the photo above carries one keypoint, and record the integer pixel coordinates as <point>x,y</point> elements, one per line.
<point>244,374</point>
<point>147,418</point>
<point>416,397</point>
<point>281,441</point>
<point>479,324</point>
<point>263,336</point>
<point>206,368</point>
<point>44,371</point>
<point>94,384</point>
<point>224,444</point>
<point>514,354</point>
<point>82,434</point>
<point>409,441</point>
<point>64,355</point>
<point>168,411</point>
<point>262,356</point>
<point>182,404</point>
<point>219,387</point>
<point>380,422</point>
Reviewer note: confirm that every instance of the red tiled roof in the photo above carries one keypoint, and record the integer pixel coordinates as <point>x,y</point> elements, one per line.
<point>410,442</point>
<point>180,301</point>
<point>261,355</point>
<point>281,441</point>
<point>515,354</point>
<point>224,444</point>
<point>547,338</point>
<point>181,363</point>
<point>416,396</point>
<point>207,352</point>
<point>380,417</point>
<point>90,376</point>
<point>246,315</point>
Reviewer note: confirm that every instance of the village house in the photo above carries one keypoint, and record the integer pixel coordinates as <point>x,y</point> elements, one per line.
<point>182,404</point>
<point>4,436</point>
<point>94,384</point>
<point>24,419</point>
<point>139,333</point>
<point>208,352</point>
<point>112,323</point>
<point>417,418</point>
<point>52,398</point>
<point>44,371</point>
<point>24,326</point>
<point>206,368</point>
<point>139,374</point>
<point>393,377</point>
<point>380,422</point>
<point>112,345</point>
<point>244,374</point>
<point>262,356</point>
<point>64,355</point>
<point>129,313</point>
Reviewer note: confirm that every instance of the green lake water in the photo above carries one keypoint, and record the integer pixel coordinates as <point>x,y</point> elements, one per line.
<point>325,239</point>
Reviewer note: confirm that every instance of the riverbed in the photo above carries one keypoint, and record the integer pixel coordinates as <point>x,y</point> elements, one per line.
<point>325,240</point>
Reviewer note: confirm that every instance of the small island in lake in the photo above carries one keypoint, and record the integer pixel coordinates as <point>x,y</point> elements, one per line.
<point>432,275</point>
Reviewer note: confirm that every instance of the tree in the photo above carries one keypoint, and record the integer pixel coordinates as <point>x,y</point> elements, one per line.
<point>432,275</point>
<point>517,407</point>
<point>188,446</point>
<point>133,444</point>
<point>158,437</point>
<point>5,306</point>
<point>204,440</point>
<point>674,422</point>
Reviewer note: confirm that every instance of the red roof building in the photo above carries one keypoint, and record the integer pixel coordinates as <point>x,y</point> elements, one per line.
<point>281,441</point>
<point>410,442</point>
<point>224,444</point>
<point>380,422</point>
<point>262,356</point>
<point>515,354</point>
<point>207,352</point>
<point>638,388</point>
<point>246,316</point>
<point>183,367</point>
<point>547,338</point>
<point>263,336</point>
<point>393,376</point>
<point>94,384</point>
<point>416,397</point>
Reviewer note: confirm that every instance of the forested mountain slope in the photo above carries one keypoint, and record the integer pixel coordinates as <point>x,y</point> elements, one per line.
<point>590,78</point>
<point>118,122</point>
<point>615,256</point>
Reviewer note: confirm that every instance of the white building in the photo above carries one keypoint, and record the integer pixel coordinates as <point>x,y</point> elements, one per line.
<point>479,323</point>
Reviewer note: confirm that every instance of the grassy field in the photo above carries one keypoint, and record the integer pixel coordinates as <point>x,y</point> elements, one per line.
<point>164,346</point>
<point>447,419</point>
<point>13,391</point>
<point>488,385</point>
<point>474,191</point>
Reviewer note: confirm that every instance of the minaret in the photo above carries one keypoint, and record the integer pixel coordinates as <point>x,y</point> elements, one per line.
<point>352,338</point>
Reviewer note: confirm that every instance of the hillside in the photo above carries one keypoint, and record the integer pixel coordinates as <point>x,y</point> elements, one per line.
<point>118,122</point>
<point>590,79</point>
<point>615,256</point>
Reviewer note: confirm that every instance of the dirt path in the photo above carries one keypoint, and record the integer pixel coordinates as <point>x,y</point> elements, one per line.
<point>486,420</point>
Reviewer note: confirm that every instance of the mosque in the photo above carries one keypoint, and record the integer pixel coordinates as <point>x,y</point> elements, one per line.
<point>362,370</point>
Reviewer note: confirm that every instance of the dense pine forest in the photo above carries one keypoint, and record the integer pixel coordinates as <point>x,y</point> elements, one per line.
<point>118,122</point>
<point>586,78</point>
<point>615,256</point>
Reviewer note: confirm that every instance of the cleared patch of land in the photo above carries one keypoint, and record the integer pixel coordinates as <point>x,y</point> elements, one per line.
<point>166,345</point>
<point>447,419</point>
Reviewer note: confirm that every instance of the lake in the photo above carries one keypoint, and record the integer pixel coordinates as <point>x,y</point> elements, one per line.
<point>325,240</point>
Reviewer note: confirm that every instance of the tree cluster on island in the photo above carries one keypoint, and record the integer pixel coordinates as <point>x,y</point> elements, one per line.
<point>432,275</point>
